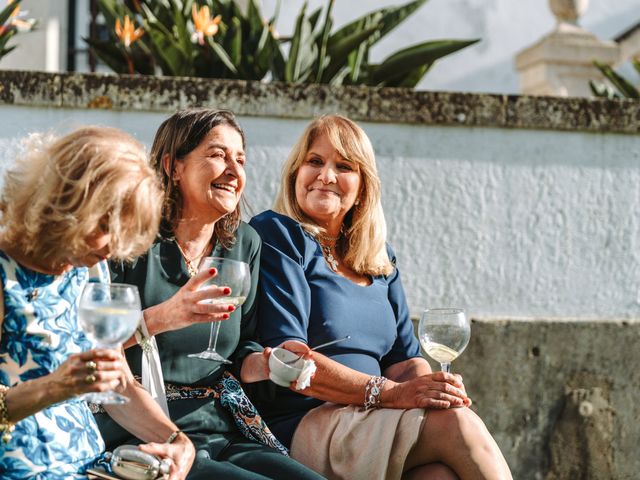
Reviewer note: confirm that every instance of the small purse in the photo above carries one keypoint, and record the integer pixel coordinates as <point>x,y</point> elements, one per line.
<point>128,462</point>
<point>131,463</point>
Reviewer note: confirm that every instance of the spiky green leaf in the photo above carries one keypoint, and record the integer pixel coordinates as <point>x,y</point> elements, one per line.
<point>625,87</point>
<point>406,60</point>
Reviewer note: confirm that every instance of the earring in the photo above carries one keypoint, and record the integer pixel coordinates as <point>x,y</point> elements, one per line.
<point>357,202</point>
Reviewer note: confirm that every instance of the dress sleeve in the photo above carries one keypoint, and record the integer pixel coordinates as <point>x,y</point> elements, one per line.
<point>284,293</point>
<point>406,345</point>
<point>248,334</point>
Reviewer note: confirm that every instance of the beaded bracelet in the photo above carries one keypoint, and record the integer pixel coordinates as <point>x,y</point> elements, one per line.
<point>6,427</point>
<point>372,392</point>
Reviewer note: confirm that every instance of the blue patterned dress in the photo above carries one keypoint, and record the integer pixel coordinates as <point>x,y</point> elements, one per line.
<point>39,332</point>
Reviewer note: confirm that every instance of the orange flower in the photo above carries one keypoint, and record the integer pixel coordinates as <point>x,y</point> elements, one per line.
<point>203,24</point>
<point>129,33</point>
<point>15,22</point>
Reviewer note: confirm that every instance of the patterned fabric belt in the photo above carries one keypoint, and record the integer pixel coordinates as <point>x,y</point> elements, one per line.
<point>229,392</point>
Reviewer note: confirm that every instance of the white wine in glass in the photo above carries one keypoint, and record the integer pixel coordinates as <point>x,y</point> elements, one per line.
<point>109,314</point>
<point>233,274</point>
<point>444,333</point>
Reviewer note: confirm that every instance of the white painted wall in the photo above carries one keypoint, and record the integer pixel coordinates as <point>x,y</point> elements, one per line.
<point>45,48</point>
<point>504,222</point>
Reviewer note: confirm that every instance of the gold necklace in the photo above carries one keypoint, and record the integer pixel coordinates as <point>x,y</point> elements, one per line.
<point>192,263</point>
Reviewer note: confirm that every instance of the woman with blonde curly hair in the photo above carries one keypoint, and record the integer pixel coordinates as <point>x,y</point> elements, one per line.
<point>374,408</point>
<point>69,204</point>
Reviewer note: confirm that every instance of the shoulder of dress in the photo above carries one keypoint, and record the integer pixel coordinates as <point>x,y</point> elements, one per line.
<point>283,233</point>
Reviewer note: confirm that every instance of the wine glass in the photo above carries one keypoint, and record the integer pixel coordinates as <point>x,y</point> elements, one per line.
<point>235,275</point>
<point>109,314</point>
<point>444,333</point>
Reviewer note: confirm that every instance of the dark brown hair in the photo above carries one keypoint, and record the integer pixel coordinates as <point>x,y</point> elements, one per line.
<point>178,136</point>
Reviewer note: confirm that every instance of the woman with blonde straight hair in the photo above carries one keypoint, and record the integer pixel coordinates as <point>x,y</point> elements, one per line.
<point>69,204</point>
<point>373,408</point>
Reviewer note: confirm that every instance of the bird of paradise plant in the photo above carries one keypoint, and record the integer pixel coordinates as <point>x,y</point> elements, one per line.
<point>203,24</point>
<point>10,24</point>
<point>127,35</point>
<point>185,38</point>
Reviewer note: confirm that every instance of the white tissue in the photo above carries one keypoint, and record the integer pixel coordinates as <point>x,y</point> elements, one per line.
<point>304,379</point>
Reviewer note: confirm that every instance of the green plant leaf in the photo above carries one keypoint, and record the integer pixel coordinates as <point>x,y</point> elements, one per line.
<point>314,17</point>
<point>603,91</point>
<point>323,41</point>
<point>625,87</point>
<point>406,60</point>
<point>235,53</point>
<point>339,51</point>
<point>222,55</point>
<point>111,55</point>
<point>302,53</point>
<point>387,18</point>
<point>7,11</point>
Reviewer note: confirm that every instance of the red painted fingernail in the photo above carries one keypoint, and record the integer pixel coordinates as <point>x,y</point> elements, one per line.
<point>212,271</point>
<point>225,315</point>
<point>226,290</point>
<point>231,308</point>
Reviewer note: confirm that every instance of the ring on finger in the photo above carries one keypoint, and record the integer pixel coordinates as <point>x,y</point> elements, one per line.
<point>91,378</point>
<point>91,366</point>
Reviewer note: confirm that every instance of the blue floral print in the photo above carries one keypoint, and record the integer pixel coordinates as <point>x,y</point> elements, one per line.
<point>39,332</point>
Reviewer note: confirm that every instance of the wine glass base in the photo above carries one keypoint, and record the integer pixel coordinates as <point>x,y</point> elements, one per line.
<point>105,398</point>
<point>210,355</point>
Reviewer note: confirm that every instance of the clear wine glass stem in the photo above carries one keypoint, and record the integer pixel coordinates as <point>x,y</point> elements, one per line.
<point>445,367</point>
<point>213,336</point>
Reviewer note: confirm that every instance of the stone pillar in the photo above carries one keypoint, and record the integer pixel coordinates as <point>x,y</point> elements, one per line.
<point>561,63</point>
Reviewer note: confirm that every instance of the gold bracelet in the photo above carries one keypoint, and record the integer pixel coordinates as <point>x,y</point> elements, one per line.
<point>173,436</point>
<point>6,427</point>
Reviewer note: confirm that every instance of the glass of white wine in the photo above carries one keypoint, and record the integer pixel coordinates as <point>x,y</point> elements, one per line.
<point>109,314</point>
<point>233,274</point>
<point>444,333</point>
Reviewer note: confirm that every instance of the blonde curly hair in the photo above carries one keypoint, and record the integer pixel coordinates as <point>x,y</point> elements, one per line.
<point>60,191</point>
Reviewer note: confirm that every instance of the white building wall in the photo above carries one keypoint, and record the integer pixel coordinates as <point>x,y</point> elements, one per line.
<point>45,48</point>
<point>503,222</point>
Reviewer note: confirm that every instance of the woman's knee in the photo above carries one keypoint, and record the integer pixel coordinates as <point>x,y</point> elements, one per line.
<point>456,425</point>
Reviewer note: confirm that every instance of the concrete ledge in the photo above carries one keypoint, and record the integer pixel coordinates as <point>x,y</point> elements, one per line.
<point>167,94</point>
<point>560,397</point>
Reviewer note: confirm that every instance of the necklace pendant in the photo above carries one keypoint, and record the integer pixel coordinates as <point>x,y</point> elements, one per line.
<point>330,259</point>
<point>191,269</point>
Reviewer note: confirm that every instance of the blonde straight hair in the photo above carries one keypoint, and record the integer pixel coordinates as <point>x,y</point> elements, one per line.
<point>60,191</point>
<point>362,243</point>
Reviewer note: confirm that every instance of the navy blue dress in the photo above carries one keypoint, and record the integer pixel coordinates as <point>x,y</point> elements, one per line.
<point>301,298</point>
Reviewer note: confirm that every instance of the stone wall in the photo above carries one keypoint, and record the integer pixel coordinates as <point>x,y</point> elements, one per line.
<point>560,397</point>
<point>521,208</point>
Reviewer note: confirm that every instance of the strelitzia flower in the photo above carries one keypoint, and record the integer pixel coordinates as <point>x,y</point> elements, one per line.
<point>129,33</point>
<point>16,23</point>
<point>203,24</point>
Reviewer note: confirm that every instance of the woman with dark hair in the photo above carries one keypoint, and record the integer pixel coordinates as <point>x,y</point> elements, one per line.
<point>200,156</point>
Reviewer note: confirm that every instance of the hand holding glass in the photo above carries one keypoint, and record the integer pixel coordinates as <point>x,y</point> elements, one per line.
<point>444,333</point>
<point>235,275</point>
<point>109,314</point>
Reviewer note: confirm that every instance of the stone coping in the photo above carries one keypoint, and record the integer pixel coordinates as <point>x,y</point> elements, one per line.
<point>250,98</point>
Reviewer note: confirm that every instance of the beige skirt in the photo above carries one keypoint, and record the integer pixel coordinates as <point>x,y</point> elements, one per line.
<point>349,442</point>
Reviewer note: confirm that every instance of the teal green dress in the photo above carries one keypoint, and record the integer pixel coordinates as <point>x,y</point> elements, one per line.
<point>222,451</point>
